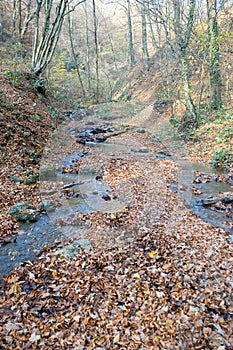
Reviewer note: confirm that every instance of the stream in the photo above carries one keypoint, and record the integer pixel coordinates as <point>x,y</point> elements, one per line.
<point>206,189</point>
<point>90,194</point>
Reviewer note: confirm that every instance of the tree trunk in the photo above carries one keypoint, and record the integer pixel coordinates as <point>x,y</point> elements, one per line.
<point>144,38</point>
<point>131,53</point>
<point>28,18</point>
<point>44,49</point>
<point>96,50</point>
<point>36,35</point>
<point>214,64</point>
<point>187,90</point>
<point>74,57</point>
<point>14,20</point>
<point>155,46</point>
<point>19,5</point>
<point>87,47</point>
<point>1,22</point>
<point>183,36</point>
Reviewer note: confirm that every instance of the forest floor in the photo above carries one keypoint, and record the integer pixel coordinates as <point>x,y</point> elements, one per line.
<point>155,277</point>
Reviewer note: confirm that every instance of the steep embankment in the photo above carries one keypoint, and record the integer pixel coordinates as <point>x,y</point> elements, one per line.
<point>25,124</point>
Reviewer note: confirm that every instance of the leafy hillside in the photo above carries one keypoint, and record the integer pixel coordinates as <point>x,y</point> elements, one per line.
<point>25,124</point>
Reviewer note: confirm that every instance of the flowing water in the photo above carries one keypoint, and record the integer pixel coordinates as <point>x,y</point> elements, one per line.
<point>33,237</point>
<point>88,196</point>
<point>211,188</point>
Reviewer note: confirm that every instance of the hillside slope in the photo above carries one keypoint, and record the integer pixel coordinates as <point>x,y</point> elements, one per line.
<point>25,124</point>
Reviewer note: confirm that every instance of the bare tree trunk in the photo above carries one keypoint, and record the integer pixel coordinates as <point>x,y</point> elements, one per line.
<point>201,88</point>
<point>144,37</point>
<point>183,36</point>
<point>14,20</point>
<point>74,56</point>
<point>131,53</point>
<point>19,6</point>
<point>113,51</point>
<point>87,47</point>
<point>1,22</point>
<point>17,20</point>
<point>28,18</point>
<point>187,89</point>
<point>214,64</point>
<point>36,36</point>
<point>44,49</point>
<point>155,46</point>
<point>96,50</point>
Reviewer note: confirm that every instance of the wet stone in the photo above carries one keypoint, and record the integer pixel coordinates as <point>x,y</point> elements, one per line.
<point>74,248</point>
<point>47,173</point>
<point>47,205</point>
<point>87,171</point>
<point>143,150</point>
<point>24,212</point>
<point>71,159</point>
<point>165,154</point>
<point>173,188</point>
<point>106,197</point>
<point>17,179</point>
<point>140,130</point>
<point>31,180</point>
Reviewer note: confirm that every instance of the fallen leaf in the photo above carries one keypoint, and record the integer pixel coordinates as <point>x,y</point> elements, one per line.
<point>153,254</point>
<point>15,289</point>
<point>116,338</point>
<point>34,337</point>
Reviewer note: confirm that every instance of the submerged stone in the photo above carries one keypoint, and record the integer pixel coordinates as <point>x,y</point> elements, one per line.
<point>47,205</point>
<point>47,172</point>
<point>74,248</point>
<point>87,171</point>
<point>143,150</point>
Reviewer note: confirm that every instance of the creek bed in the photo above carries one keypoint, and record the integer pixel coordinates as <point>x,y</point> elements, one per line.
<point>187,171</point>
<point>88,197</point>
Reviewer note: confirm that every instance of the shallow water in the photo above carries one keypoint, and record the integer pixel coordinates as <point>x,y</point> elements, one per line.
<point>30,240</point>
<point>88,198</point>
<point>43,233</point>
<point>109,147</point>
<point>186,175</point>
